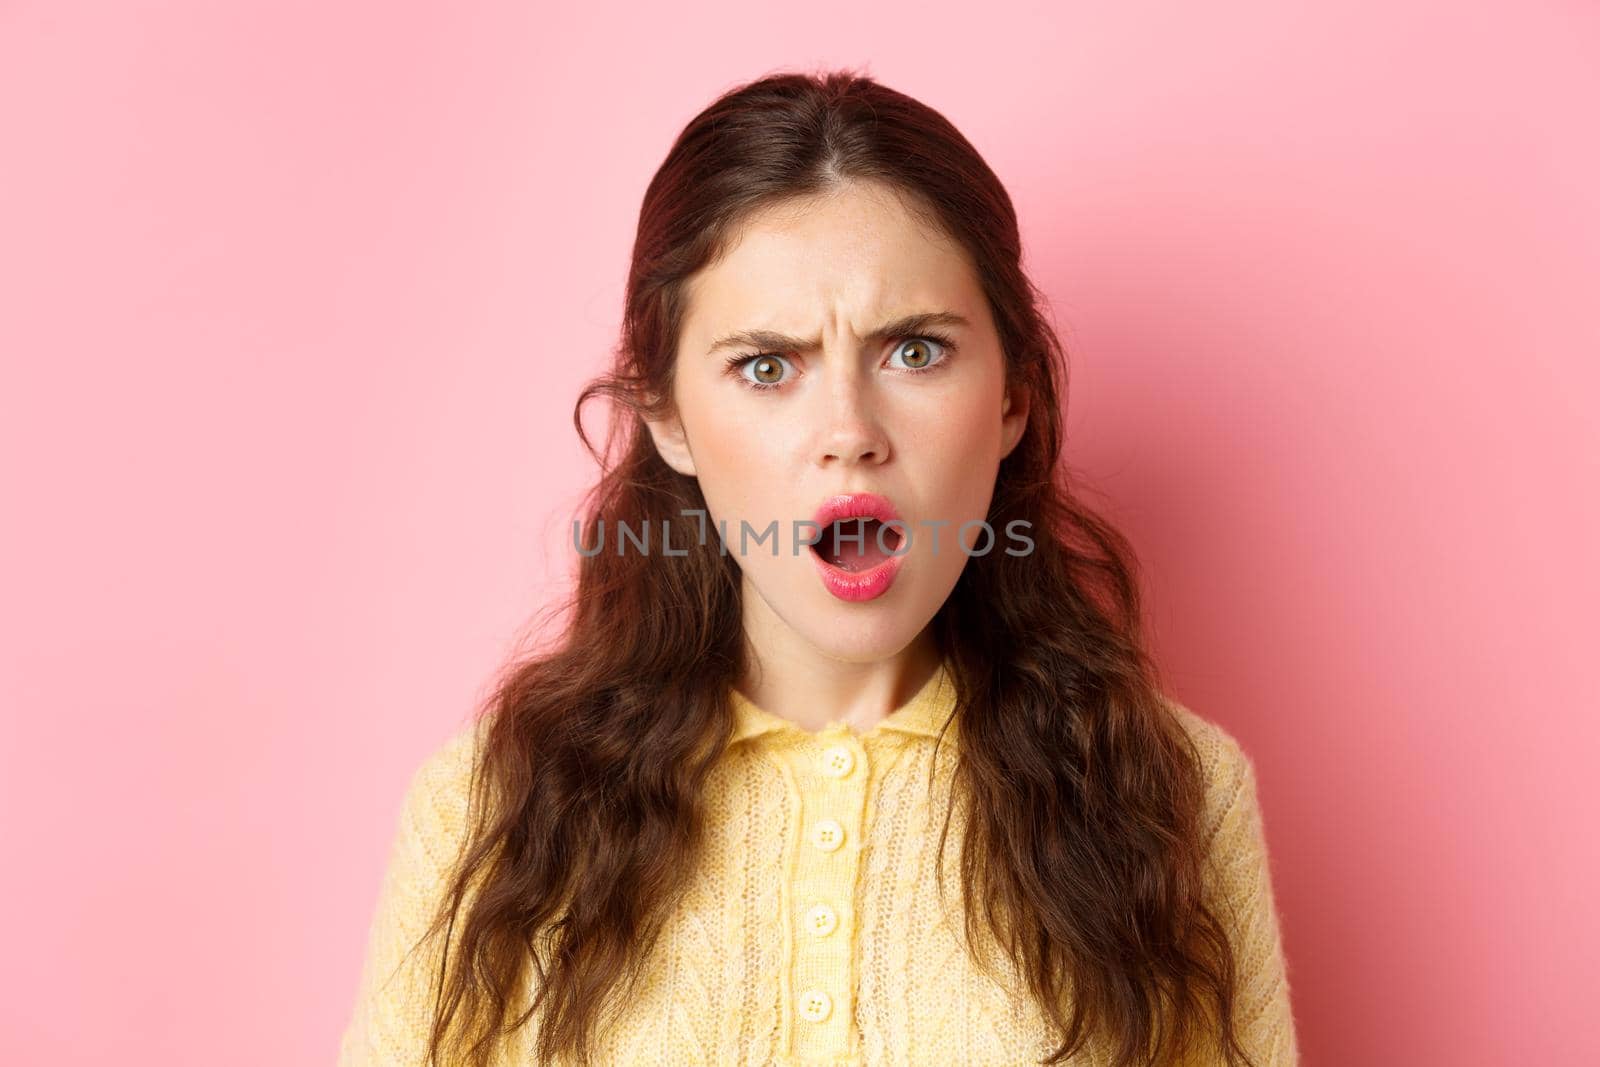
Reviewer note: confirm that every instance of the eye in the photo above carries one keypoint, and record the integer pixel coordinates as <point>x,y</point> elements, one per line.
<point>922,352</point>
<point>767,368</point>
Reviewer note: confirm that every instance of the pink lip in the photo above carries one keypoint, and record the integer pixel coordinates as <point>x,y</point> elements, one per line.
<point>857,585</point>
<point>852,506</point>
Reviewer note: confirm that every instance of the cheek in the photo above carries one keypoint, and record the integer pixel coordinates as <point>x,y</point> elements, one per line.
<point>962,458</point>
<point>738,445</point>
<point>740,463</point>
<point>960,428</point>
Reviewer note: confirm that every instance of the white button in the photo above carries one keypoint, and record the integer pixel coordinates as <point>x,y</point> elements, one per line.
<point>827,834</point>
<point>815,1005</point>
<point>821,920</point>
<point>838,761</point>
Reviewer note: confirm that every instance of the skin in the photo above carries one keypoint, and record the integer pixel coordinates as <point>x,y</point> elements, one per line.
<point>849,415</point>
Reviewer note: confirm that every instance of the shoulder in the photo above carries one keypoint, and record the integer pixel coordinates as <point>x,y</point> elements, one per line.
<point>1225,766</point>
<point>1221,755</point>
<point>434,809</point>
<point>394,1002</point>
<point>449,764</point>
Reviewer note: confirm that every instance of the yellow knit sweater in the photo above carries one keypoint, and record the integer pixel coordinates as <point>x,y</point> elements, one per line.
<point>812,933</point>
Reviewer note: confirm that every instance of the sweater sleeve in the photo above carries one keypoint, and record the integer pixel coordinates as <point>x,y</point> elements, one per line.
<point>393,1010</point>
<point>1240,885</point>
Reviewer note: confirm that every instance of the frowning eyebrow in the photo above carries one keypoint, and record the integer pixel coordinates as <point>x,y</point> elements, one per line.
<point>769,341</point>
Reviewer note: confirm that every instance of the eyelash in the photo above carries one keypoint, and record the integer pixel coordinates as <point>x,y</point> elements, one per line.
<point>737,362</point>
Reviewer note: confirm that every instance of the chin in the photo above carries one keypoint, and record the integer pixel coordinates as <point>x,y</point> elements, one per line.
<point>863,633</point>
<point>867,631</point>
<point>885,647</point>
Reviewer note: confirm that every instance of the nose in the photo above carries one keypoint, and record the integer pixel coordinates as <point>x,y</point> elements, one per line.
<point>852,433</point>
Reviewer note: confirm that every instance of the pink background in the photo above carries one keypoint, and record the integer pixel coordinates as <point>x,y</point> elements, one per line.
<point>295,299</point>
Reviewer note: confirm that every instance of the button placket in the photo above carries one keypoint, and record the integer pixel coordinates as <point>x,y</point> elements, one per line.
<point>830,772</point>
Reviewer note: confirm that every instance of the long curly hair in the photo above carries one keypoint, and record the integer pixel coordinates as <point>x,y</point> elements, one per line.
<point>1081,857</point>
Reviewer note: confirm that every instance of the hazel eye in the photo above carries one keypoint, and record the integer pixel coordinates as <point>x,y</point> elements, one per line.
<point>921,352</point>
<point>766,370</point>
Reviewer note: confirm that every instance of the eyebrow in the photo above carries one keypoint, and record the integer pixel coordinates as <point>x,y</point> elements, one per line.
<point>769,341</point>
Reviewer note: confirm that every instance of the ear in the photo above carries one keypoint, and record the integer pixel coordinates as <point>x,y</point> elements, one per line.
<point>1013,420</point>
<point>672,443</point>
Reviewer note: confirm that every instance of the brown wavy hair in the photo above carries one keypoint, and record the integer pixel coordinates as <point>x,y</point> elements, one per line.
<point>1081,856</point>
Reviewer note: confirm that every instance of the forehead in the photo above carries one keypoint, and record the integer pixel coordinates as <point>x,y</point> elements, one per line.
<point>859,250</point>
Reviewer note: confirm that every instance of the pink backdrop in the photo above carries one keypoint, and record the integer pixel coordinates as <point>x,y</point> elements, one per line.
<point>295,299</point>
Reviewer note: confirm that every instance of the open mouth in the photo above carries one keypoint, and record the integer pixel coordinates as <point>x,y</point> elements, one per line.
<point>857,544</point>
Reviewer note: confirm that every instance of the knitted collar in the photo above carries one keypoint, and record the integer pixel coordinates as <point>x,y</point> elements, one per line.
<point>923,715</point>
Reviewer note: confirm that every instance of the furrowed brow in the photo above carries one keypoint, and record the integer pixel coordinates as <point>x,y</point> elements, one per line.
<point>770,341</point>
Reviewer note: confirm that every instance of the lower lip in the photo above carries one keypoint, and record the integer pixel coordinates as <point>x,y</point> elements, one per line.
<point>858,585</point>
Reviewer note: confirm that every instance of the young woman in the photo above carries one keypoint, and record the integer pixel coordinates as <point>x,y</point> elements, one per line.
<point>836,610</point>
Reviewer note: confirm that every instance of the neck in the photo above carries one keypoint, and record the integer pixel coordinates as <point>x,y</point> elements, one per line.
<point>811,687</point>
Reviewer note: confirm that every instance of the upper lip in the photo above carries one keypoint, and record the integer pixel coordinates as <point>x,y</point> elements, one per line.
<point>852,506</point>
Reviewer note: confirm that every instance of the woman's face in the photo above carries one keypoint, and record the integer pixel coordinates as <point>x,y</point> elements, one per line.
<point>831,407</point>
